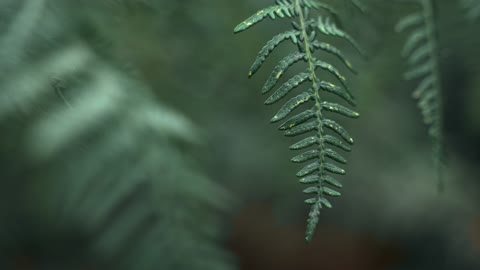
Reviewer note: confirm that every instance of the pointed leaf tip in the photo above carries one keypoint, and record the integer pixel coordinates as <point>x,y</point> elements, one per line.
<point>241,27</point>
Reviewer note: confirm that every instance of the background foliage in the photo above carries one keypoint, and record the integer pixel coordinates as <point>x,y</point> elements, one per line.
<point>390,216</point>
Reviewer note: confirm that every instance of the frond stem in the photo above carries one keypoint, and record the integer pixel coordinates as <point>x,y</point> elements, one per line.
<point>316,89</point>
<point>431,30</point>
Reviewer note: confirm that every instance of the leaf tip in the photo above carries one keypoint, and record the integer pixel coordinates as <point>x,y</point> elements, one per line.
<point>275,119</point>
<point>239,28</point>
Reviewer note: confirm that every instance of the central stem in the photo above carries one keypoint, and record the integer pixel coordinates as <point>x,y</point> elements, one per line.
<point>308,52</point>
<point>316,89</point>
<point>438,140</point>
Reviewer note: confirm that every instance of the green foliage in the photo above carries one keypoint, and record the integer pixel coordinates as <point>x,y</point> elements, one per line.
<point>282,9</point>
<point>313,120</point>
<point>421,52</point>
<point>88,150</point>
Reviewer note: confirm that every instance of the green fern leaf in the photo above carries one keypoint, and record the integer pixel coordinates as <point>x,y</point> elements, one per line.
<point>332,181</point>
<point>336,142</point>
<point>331,69</point>
<point>413,40</point>
<point>338,129</point>
<point>287,87</point>
<point>111,183</point>
<point>421,52</point>
<point>298,119</point>
<point>312,154</point>
<point>312,120</point>
<point>333,168</point>
<point>335,156</point>
<point>301,129</point>
<point>344,94</point>
<point>334,51</point>
<point>408,21</point>
<point>281,10</point>
<point>337,108</point>
<point>329,28</point>
<point>270,46</point>
<point>292,104</point>
<point>307,142</point>
<point>280,69</point>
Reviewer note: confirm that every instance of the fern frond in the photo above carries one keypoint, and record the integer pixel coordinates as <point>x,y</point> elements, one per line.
<point>421,52</point>
<point>114,161</point>
<point>282,9</point>
<point>106,161</point>
<point>324,132</point>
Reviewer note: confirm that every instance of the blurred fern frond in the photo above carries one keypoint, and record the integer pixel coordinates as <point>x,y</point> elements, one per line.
<point>312,120</point>
<point>90,153</point>
<point>421,51</point>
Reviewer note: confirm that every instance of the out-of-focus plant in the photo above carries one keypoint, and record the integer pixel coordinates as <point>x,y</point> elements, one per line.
<point>421,51</point>
<point>96,172</point>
